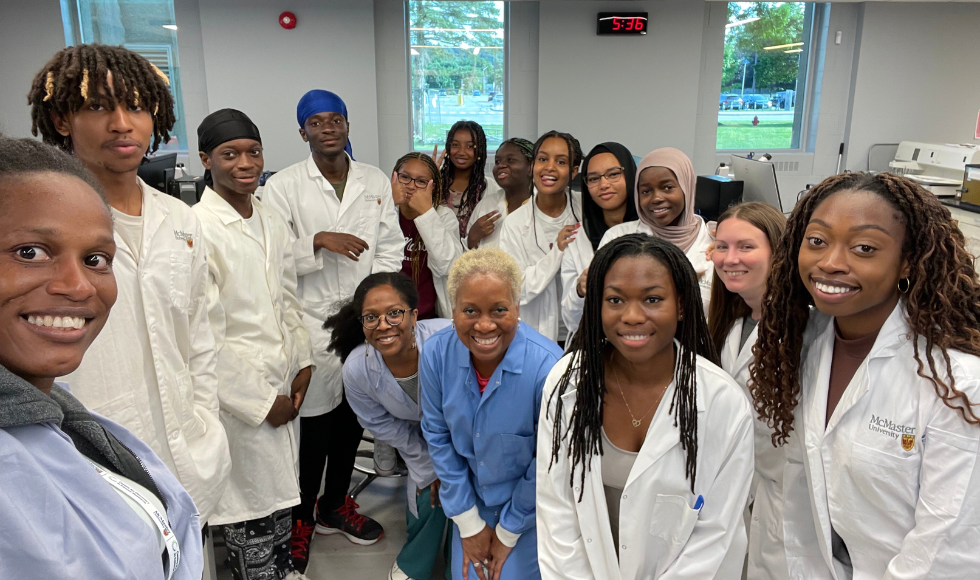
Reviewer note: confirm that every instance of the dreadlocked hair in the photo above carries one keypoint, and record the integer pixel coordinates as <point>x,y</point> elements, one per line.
<point>589,347</point>
<point>416,245</point>
<point>727,307</point>
<point>346,331</point>
<point>574,160</point>
<point>78,75</point>
<point>478,181</point>
<point>27,156</point>
<point>942,304</point>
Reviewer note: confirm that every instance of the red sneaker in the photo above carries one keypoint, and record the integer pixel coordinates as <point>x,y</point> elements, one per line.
<point>300,544</point>
<point>345,520</point>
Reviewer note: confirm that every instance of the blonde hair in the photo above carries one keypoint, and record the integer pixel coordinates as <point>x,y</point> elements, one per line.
<point>484,261</point>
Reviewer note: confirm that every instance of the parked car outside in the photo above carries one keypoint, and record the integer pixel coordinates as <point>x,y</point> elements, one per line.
<point>756,102</point>
<point>729,102</point>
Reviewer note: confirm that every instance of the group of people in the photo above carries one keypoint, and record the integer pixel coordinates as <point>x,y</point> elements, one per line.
<point>582,378</point>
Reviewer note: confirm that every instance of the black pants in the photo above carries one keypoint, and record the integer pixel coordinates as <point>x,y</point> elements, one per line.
<point>336,435</point>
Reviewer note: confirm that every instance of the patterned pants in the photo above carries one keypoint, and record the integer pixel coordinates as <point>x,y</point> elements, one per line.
<point>259,549</point>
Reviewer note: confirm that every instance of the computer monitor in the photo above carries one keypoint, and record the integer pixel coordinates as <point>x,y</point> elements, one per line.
<point>759,179</point>
<point>158,171</point>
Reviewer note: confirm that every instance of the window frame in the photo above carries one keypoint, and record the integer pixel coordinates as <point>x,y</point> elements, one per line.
<point>803,121</point>
<point>505,130</point>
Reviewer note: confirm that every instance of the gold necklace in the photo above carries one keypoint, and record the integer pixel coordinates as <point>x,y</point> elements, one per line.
<point>637,422</point>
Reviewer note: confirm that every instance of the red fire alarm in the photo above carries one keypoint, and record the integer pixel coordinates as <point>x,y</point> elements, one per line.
<point>287,20</point>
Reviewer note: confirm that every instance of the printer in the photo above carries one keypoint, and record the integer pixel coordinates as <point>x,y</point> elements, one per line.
<point>937,168</point>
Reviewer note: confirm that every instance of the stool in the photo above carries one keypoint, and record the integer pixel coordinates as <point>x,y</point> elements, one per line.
<point>368,469</point>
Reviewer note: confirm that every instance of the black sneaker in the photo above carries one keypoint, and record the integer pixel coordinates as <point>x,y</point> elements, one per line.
<point>300,544</point>
<point>345,520</point>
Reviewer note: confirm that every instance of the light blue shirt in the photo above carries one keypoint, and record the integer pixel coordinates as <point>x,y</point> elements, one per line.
<point>383,407</point>
<point>60,519</point>
<point>483,447</point>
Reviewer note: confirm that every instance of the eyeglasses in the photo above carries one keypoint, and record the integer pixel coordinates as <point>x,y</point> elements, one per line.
<point>393,318</point>
<point>405,179</point>
<point>612,175</point>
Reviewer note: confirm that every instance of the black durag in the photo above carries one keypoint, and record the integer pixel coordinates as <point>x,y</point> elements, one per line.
<point>595,225</point>
<point>223,126</point>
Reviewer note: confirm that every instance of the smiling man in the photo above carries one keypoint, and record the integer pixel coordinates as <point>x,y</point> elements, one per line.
<point>152,367</point>
<point>344,226</point>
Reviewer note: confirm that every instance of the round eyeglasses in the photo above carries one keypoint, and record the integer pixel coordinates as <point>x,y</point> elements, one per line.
<point>612,175</point>
<point>392,317</point>
<point>405,179</point>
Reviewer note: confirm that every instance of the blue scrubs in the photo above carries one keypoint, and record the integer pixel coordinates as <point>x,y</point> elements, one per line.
<point>483,446</point>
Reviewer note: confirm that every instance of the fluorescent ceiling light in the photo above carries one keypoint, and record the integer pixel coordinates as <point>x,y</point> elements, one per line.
<point>791,45</point>
<point>170,26</point>
<point>795,50</point>
<point>741,22</point>
<point>476,51</point>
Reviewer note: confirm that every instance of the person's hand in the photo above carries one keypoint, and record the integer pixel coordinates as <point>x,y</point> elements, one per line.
<point>398,194</point>
<point>708,251</point>
<point>421,201</point>
<point>282,411</point>
<point>299,387</point>
<point>482,228</point>
<point>438,157</point>
<point>343,244</point>
<point>498,555</point>
<point>566,235</point>
<point>580,285</point>
<point>434,500</point>
<point>476,551</point>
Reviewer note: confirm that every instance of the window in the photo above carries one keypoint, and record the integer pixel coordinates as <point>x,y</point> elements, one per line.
<point>146,27</point>
<point>456,69</point>
<point>764,74</point>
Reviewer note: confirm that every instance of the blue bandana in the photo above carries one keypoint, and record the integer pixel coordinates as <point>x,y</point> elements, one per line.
<point>320,101</point>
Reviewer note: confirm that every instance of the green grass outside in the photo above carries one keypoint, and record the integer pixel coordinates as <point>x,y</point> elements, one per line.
<point>767,135</point>
<point>433,130</point>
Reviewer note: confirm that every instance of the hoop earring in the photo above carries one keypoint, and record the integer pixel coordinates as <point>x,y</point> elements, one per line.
<point>908,284</point>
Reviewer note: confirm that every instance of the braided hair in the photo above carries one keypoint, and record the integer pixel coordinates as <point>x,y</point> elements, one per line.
<point>77,75</point>
<point>574,160</point>
<point>589,347</point>
<point>942,304</point>
<point>478,181</point>
<point>415,251</point>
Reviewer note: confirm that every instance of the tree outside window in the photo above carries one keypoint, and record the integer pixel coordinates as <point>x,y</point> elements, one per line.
<point>456,69</point>
<point>763,78</point>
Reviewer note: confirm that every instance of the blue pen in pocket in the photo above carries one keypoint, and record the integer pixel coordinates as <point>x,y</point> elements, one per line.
<point>699,503</point>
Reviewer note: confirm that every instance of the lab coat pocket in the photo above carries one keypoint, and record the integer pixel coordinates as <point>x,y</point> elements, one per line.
<point>180,279</point>
<point>950,460</point>
<point>516,452</point>
<point>671,524</point>
<point>882,478</point>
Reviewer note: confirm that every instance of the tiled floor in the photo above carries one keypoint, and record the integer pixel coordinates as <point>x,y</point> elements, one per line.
<point>333,557</point>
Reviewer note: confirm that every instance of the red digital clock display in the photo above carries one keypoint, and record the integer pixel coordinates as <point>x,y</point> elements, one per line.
<point>622,23</point>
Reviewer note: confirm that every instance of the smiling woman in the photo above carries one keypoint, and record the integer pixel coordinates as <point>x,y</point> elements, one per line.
<point>481,394</point>
<point>64,471</point>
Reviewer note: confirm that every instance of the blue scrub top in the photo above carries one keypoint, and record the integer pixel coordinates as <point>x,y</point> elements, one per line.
<point>483,446</point>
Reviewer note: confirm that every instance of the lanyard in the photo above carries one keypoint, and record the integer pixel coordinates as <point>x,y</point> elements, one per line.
<point>160,520</point>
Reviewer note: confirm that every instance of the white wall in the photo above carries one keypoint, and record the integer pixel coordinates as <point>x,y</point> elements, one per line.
<point>641,91</point>
<point>916,76</point>
<point>254,65</point>
<point>521,92</point>
<point>30,34</point>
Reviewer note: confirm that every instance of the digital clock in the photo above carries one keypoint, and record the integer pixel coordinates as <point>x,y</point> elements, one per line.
<point>621,23</point>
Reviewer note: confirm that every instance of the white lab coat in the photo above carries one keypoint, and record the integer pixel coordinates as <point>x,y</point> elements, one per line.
<point>895,471</point>
<point>494,199</point>
<point>308,203</point>
<point>767,556</point>
<point>540,300</point>
<point>661,535</point>
<point>438,228</point>
<point>172,280</point>
<point>262,344</point>
<point>579,255</point>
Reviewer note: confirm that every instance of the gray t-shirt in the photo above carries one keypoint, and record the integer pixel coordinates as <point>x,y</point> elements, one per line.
<point>616,466</point>
<point>748,325</point>
<point>410,385</point>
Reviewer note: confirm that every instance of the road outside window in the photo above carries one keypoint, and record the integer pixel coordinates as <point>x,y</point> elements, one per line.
<point>456,69</point>
<point>763,78</point>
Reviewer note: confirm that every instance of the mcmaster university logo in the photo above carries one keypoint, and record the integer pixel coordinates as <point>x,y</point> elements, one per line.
<point>903,433</point>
